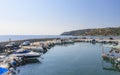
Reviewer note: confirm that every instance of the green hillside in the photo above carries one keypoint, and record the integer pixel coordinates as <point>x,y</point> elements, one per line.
<point>95,32</point>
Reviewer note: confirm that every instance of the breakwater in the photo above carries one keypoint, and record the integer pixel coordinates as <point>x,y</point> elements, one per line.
<point>98,40</point>
<point>31,40</point>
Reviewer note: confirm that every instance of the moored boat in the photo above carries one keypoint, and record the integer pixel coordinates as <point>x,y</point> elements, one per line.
<point>26,43</point>
<point>27,54</point>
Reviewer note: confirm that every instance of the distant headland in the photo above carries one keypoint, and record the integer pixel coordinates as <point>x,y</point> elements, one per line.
<point>109,31</point>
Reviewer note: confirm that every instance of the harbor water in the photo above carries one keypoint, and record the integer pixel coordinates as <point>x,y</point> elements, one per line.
<point>72,59</point>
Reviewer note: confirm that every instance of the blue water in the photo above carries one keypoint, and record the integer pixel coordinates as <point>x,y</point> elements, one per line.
<point>74,59</point>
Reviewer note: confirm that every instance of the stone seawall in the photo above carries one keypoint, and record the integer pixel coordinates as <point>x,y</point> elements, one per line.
<point>31,40</point>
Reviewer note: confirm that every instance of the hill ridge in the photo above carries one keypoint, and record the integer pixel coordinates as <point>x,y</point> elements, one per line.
<point>108,31</point>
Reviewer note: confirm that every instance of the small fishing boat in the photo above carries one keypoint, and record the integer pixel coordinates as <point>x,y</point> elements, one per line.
<point>67,41</point>
<point>113,54</point>
<point>12,45</point>
<point>57,42</point>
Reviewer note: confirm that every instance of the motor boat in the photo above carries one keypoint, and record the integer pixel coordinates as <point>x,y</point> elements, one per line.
<point>57,42</point>
<point>27,54</point>
<point>2,56</point>
<point>34,48</point>
<point>12,45</point>
<point>26,43</point>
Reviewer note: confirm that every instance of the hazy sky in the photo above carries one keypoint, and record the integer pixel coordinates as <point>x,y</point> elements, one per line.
<point>51,17</point>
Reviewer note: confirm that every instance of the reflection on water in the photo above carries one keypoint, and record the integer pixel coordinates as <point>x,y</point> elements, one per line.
<point>110,65</point>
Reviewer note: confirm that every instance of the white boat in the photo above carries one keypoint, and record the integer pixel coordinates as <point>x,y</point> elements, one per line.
<point>2,56</point>
<point>4,65</point>
<point>57,42</point>
<point>34,48</point>
<point>113,53</point>
<point>12,45</point>
<point>27,54</point>
<point>26,43</point>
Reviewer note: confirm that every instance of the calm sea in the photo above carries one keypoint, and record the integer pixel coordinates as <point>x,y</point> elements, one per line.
<point>74,59</point>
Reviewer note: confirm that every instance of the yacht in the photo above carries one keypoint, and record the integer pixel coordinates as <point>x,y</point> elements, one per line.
<point>26,43</point>
<point>27,54</point>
